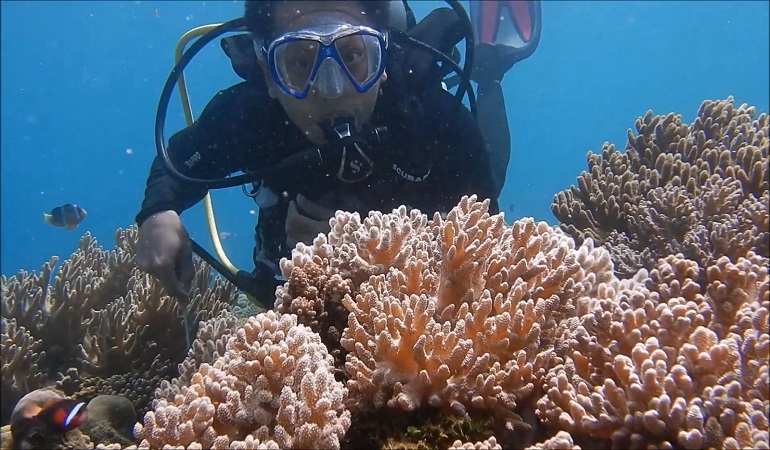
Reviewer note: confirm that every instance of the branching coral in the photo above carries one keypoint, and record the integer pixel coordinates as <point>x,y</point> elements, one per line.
<point>320,275</point>
<point>207,347</point>
<point>530,321</point>
<point>273,388</point>
<point>466,314</point>
<point>677,189</point>
<point>489,444</point>
<point>474,326</point>
<point>663,362</point>
<point>22,359</point>
<point>104,326</point>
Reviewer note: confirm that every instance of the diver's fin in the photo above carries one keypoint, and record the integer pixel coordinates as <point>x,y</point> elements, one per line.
<point>512,25</point>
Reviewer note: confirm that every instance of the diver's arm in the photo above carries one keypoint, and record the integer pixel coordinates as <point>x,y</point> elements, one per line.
<point>493,122</point>
<point>164,193</point>
<point>208,149</point>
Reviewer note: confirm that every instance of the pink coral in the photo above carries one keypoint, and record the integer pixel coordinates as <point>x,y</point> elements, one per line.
<point>664,362</point>
<point>274,387</point>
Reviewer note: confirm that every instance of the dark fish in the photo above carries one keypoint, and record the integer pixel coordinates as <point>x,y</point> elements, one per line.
<point>68,215</point>
<point>64,414</point>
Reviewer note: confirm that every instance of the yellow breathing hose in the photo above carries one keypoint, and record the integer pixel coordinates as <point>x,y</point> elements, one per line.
<point>208,207</point>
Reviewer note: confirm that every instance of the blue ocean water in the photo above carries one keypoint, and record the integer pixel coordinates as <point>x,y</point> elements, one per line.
<point>80,84</point>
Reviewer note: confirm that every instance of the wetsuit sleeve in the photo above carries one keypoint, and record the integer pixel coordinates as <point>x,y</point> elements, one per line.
<point>207,149</point>
<point>463,166</point>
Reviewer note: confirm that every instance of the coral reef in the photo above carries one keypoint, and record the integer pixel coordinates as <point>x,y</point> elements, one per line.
<point>465,314</point>
<point>699,189</point>
<point>664,362</point>
<point>641,321</point>
<point>207,347</point>
<point>101,327</point>
<point>488,444</point>
<point>273,388</point>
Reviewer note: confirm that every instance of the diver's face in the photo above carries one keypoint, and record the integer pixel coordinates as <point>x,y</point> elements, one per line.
<point>307,113</point>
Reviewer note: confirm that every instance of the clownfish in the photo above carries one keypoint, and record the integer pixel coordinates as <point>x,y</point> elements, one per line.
<point>64,414</point>
<point>68,215</point>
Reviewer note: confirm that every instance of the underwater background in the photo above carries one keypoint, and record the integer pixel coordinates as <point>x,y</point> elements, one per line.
<point>81,80</point>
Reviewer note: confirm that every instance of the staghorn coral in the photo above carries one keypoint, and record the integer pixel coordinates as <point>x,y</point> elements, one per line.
<point>320,275</point>
<point>466,314</point>
<point>699,190</point>
<point>470,324</point>
<point>22,359</point>
<point>273,388</point>
<point>103,326</point>
<point>663,362</point>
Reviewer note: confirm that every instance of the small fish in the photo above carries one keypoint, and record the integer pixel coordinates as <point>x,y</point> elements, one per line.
<point>64,414</point>
<point>156,13</point>
<point>68,216</point>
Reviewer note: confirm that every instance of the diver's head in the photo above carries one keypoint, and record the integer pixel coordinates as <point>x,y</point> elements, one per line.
<point>321,59</point>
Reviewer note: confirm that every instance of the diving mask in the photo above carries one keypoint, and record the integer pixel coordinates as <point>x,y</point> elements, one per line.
<point>324,56</point>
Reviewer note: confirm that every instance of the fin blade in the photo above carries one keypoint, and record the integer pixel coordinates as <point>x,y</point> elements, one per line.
<point>511,23</point>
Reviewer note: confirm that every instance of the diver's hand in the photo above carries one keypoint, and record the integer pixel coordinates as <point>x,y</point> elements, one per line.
<point>164,250</point>
<point>305,219</point>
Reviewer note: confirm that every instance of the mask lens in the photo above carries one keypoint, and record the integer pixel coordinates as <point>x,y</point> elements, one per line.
<point>361,55</point>
<point>358,56</point>
<point>294,62</point>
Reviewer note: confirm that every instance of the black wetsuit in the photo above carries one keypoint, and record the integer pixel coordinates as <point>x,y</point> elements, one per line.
<point>243,128</point>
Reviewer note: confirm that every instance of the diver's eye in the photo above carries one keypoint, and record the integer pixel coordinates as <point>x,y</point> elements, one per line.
<point>351,49</point>
<point>351,56</point>
<point>302,64</point>
<point>299,55</point>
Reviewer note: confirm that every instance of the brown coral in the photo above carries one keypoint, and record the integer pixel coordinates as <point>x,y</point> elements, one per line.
<point>22,360</point>
<point>698,190</point>
<point>104,326</point>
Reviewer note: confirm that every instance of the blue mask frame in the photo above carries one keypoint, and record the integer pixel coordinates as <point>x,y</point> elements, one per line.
<point>325,35</point>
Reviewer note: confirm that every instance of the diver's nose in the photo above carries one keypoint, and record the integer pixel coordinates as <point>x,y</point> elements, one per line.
<point>330,81</point>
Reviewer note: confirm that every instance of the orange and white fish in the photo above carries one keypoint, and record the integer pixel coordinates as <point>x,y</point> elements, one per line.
<point>64,414</point>
<point>68,215</point>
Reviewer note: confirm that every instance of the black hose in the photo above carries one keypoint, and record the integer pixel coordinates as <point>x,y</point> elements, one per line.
<point>470,48</point>
<point>216,265</point>
<point>165,97</point>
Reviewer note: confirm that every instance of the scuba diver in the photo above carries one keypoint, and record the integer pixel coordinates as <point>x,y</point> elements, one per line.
<point>333,77</point>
